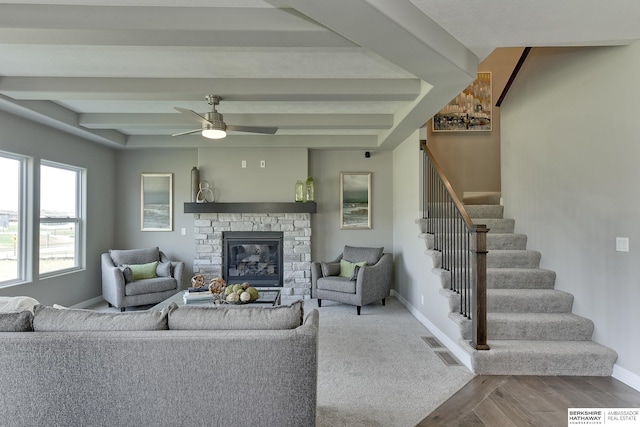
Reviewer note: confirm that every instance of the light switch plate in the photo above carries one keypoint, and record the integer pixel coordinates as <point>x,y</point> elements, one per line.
<point>622,244</point>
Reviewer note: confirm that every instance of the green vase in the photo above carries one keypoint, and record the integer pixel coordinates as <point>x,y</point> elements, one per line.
<point>310,193</point>
<point>299,191</point>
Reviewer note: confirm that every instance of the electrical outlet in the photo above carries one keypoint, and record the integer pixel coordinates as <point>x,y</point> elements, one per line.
<point>422,299</point>
<point>183,231</point>
<point>263,164</point>
<point>244,164</point>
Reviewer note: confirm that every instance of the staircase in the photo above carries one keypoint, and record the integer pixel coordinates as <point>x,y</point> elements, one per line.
<point>531,329</point>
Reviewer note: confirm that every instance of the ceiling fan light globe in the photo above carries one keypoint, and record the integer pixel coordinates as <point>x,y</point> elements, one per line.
<point>214,133</point>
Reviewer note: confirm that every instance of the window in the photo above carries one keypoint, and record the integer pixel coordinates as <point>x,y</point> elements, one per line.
<point>61,215</point>
<point>12,218</point>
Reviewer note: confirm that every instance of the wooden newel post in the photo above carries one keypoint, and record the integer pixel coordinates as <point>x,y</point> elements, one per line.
<point>480,312</point>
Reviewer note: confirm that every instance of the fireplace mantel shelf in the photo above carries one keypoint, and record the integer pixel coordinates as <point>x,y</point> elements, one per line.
<point>251,207</point>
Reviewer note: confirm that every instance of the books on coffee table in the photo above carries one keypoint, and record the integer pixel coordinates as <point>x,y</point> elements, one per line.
<point>196,297</point>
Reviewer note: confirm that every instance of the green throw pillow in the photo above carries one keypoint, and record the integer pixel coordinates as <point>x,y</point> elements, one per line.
<point>144,271</point>
<point>346,268</point>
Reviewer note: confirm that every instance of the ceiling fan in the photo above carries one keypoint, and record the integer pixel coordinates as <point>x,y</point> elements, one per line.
<point>213,125</point>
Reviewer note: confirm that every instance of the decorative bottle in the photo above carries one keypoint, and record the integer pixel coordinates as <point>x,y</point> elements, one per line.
<point>299,191</point>
<point>195,183</point>
<point>310,194</point>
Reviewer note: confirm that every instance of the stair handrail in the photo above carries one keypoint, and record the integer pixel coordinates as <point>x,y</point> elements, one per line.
<point>462,244</point>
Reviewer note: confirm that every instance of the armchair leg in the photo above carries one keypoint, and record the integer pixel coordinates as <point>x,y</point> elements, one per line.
<point>383,301</point>
<point>358,309</point>
<point>122,309</point>
<point>319,302</point>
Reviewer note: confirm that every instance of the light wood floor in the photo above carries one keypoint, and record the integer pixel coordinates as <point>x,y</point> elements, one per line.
<point>508,401</point>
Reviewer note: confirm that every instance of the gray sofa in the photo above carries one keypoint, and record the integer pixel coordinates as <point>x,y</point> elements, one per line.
<point>119,287</point>
<point>83,368</point>
<point>367,283</point>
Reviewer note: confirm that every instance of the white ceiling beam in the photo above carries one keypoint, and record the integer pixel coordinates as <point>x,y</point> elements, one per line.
<point>162,26</point>
<point>401,34</point>
<point>255,141</point>
<point>55,116</point>
<point>281,121</point>
<point>171,89</point>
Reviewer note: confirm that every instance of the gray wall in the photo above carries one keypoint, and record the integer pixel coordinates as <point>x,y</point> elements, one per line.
<point>570,178</point>
<point>132,163</point>
<point>222,168</point>
<point>40,142</point>
<point>471,160</point>
<point>325,166</point>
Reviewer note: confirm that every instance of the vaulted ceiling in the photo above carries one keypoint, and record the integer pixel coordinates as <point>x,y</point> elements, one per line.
<point>327,74</point>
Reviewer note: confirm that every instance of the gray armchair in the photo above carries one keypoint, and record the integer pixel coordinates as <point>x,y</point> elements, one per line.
<point>369,283</point>
<point>121,288</point>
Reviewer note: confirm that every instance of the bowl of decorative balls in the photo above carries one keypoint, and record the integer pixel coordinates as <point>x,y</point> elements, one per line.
<point>241,294</point>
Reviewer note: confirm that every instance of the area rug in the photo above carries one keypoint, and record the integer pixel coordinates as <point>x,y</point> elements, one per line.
<point>377,369</point>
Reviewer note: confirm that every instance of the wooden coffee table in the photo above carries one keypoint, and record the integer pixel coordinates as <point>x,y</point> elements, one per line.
<point>268,296</point>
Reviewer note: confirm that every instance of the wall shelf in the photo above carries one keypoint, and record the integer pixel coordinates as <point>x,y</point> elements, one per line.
<point>251,207</point>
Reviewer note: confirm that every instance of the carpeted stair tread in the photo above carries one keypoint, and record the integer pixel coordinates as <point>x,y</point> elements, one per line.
<point>497,241</point>
<point>497,225</point>
<point>538,326</point>
<point>518,300</point>
<point>485,211</point>
<point>528,301</point>
<point>520,278</point>
<point>513,259</point>
<point>520,357</point>
<point>481,198</point>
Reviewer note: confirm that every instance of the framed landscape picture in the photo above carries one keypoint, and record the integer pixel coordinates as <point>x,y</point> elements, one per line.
<point>469,111</point>
<point>355,200</point>
<point>156,201</point>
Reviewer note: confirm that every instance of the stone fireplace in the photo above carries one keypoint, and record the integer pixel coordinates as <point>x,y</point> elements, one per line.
<point>296,245</point>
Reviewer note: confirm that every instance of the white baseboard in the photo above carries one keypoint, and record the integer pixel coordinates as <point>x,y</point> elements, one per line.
<point>626,376</point>
<point>451,345</point>
<point>89,303</point>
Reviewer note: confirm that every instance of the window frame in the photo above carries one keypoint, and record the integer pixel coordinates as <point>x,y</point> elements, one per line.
<point>78,220</point>
<point>23,223</point>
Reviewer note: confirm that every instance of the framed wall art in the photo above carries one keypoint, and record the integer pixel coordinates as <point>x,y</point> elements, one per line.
<point>355,200</point>
<point>156,201</point>
<point>469,111</point>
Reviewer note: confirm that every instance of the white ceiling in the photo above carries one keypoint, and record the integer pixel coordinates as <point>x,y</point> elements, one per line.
<point>328,74</point>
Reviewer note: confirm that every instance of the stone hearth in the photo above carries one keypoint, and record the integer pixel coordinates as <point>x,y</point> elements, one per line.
<point>296,228</point>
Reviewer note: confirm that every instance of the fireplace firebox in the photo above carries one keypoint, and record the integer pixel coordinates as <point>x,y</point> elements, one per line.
<point>255,257</point>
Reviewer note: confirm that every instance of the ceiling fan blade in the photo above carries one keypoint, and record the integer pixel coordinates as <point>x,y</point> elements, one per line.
<point>187,132</point>
<point>254,129</point>
<point>194,115</point>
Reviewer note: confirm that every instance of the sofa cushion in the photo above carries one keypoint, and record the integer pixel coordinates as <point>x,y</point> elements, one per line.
<point>236,317</point>
<point>348,268</point>
<point>16,322</point>
<point>49,319</point>
<point>134,256</point>
<point>164,269</point>
<point>337,284</point>
<point>127,273</point>
<point>330,268</point>
<point>148,286</point>
<point>144,271</point>
<point>356,254</point>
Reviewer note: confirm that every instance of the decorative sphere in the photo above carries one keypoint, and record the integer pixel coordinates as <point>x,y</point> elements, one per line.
<point>245,297</point>
<point>197,281</point>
